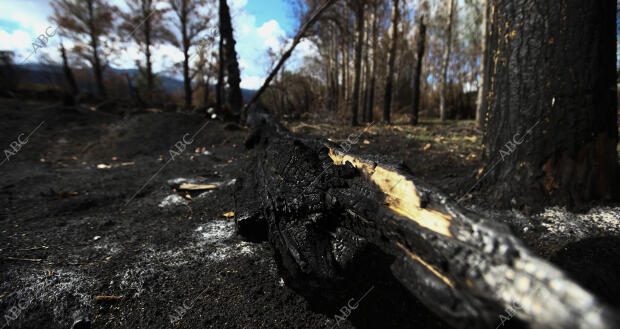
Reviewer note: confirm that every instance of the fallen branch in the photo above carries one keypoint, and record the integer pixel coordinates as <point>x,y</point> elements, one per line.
<point>196,187</point>
<point>296,40</point>
<point>107,298</point>
<point>36,260</point>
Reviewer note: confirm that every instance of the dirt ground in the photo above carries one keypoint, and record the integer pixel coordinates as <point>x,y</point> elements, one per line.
<point>95,234</point>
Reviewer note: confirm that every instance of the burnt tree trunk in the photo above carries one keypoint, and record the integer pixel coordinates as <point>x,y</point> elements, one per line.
<point>134,93</point>
<point>235,98</point>
<point>370,106</point>
<point>321,206</point>
<point>552,107</point>
<point>343,88</point>
<point>94,42</point>
<point>387,106</point>
<point>147,44</point>
<point>335,88</point>
<point>359,34</point>
<point>366,69</point>
<point>346,44</point>
<point>480,99</point>
<point>417,73</point>
<point>187,82</point>
<point>219,87</point>
<point>67,71</point>
<point>443,78</point>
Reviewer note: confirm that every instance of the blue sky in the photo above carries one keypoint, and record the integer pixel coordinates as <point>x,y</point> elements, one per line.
<point>9,26</point>
<point>266,10</point>
<point>259,25</point>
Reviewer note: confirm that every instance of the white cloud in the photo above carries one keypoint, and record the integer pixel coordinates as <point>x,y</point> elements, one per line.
<point>15,40</point>
<point>271,32</point>
<point>253,42</point>
<point>30,14</point>
<point>251,81</point>
<point>237,4</point>
<point>304,48</point>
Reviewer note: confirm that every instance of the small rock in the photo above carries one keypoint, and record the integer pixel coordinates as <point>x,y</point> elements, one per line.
<point>80,322</point>
<point>173,200</point>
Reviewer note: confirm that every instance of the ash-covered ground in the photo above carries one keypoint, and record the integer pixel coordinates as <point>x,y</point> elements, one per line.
<point>96,233</point>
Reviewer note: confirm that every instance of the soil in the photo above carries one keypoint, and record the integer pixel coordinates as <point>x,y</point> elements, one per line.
<point>90,207</point>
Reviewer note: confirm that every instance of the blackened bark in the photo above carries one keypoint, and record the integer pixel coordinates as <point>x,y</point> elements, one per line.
<point>206,99</point>
<point>183,14</point>
<point>335,90</point>
<point>359,33</point>
<point>370,106</point>
<point>391,59</point>
<point>232,65</point>
<point>134,93</point>
<point>371,98</point>
<point>443,82</point>
<point>480,100</point>
<point>187,82</point>
<point>417,73</point>
<point>94,42</point>
<point>365,70</point>
<point>219,88</point>
<point>147,7</point>
<point>335,73</point>
<point>149,68</point>
<point>345,72</point>
<point>552,72</point>
<point>320,206</point>
<point>67,70</point>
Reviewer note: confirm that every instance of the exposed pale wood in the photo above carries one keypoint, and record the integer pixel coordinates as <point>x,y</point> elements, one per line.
<point>196,187</point>
<point>107,298</point>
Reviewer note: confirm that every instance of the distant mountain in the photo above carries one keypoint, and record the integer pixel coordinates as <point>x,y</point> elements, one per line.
<point>53,74</point>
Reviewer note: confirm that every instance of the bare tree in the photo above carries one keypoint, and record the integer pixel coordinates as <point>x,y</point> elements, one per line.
<point>372,53</point>
<point>359,36</point>
<point>10,77</point>
<point>365,64</point>
<point>67,70</point>
<point>417,71</point>
<point>219,88</point>
<point>206,69</point>
<point>191,24</point>
<point>387,54</point>
<point>391,59</point>
<point>346,43</point>
<point>445,62</point>
<point>143,23</point>
<point>481,87</point>
<point>228,59</point>
<point>86,22</point>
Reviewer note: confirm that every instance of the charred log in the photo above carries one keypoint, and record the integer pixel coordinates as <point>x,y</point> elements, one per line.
<point>323,208</point>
